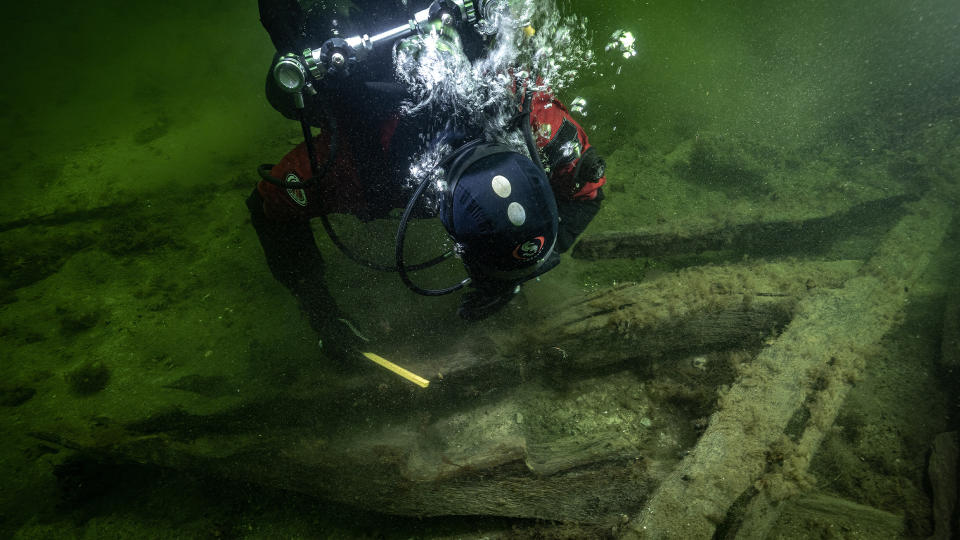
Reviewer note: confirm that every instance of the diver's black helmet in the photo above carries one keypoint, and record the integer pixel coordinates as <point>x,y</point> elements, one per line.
<point>500,209</point>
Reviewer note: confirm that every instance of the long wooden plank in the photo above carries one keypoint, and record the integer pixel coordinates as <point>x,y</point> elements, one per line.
<point>831,326</point>
<point>755,237</point>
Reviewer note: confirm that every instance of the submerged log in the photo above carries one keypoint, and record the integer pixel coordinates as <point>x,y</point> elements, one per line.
<point>816,514</point>
<point>697,309</point>
<point>692,311</point>
<point>757,237</point>
<point>950,345</point>
<point>942,472</point>
<point>480,461</point>
<point>474,442</point>
<point>816,357</point>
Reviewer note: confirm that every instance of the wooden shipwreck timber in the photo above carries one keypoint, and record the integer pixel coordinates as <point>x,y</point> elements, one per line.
<point>469,443</point>
<point>648,407</point>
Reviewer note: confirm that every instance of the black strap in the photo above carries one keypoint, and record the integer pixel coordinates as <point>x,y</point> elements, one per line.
<point>590,168</point>
<point>554,150</point>
<point>524,119</point>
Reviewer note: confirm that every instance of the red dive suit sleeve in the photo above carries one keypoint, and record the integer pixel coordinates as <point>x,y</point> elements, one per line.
<point>575,169</point>
<point>338,191</point>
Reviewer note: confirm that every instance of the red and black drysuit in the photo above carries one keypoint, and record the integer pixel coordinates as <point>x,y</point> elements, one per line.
<point>374,148</point>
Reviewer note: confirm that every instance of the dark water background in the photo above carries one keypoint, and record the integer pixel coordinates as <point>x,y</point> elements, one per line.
<point>147,108</point>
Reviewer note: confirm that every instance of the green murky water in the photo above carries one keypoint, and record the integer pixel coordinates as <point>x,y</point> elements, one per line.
<point>156,382</point>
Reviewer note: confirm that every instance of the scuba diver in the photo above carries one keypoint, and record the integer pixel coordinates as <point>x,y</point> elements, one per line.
<point>509,211</point>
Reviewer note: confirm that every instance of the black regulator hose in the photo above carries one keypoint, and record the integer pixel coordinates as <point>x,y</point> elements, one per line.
<point>401,267</point>
<point>370,264</point>
<point>524,120</point>
<point>316,174</point>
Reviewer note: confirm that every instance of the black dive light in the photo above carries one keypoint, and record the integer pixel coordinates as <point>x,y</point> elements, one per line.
<point>338,56</point>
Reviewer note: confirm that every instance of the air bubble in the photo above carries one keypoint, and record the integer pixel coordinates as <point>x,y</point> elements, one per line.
<point>579,105</point>
<point>622,42</point>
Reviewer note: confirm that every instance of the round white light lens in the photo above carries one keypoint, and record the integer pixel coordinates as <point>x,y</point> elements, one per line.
<point>516,213</point>
<point>501,186</point>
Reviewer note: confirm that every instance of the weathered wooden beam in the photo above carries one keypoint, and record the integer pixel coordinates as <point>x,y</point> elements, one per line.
<point>460,446</point>
<point>696,309</point>
<point>806,515</point>
<point>476,461</point>
<point>942,472</point>
<point>824,338</point>
<point>950,345</point>
<point>414,453</point>
<point>757,237</point>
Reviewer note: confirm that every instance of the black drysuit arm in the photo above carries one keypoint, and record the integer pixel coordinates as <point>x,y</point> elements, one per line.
<point>294,261</point>
<point>575,215</point>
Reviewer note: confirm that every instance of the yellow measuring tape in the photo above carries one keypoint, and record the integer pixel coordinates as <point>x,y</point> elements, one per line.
<point>412,377</point>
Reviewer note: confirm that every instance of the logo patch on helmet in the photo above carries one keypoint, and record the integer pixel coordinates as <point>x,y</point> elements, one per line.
<point>529,249</point>
<point>299,196</point>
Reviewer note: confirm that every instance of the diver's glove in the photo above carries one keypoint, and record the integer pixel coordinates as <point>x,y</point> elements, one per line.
<point>487,299</point>
<point>492,295</point>
<point>338,338</point>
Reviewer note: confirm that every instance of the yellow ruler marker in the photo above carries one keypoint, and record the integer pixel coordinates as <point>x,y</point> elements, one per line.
<point>412,377</point>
